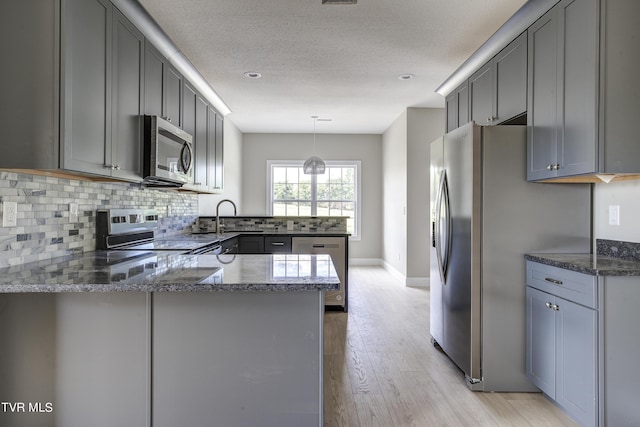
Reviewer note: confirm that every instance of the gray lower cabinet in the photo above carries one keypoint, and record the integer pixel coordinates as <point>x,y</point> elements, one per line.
<point>498,90</point>
<point>75,359</point>
<point>101,91</point>
<point>237,359</point>
<point>337,248</point>
<point>561,353</point>
<point>250,244</point>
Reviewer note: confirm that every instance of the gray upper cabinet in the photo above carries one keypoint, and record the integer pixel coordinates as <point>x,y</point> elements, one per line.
<point>563,81</point>
<point>457,106</point>
<point>127,96</point>
<point>205,126</point>
<point>215,150</point>
<point>498,90</point>
<point>86,94</point>
<point>154,64</point>
<point>173,86</point>
<point>82,76</point>
<point>163,92</point>
<point>102,91</point>
<point>583,92</point>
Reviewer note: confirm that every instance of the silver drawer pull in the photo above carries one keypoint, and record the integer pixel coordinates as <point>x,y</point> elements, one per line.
<point>277,243</point>
<point>554,281</point>
<point>318,245</point>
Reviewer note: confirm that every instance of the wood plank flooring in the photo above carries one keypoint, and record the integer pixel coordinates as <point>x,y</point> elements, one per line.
<point>381,369</point>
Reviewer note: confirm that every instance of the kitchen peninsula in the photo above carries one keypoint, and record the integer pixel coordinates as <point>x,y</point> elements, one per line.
<point>148,338</point>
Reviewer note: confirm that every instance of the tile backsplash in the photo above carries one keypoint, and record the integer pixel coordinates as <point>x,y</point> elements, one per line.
<point>45,230</point>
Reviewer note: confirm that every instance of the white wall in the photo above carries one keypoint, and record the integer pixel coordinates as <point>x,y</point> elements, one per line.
<point>258,148</point>
<point>406,148</point>
<point>394,154</point>
<point>424,125</point>
<point>232,175</point>
<point>625,194</point>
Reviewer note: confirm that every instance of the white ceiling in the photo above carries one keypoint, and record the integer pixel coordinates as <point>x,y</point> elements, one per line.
<point>333,61</point>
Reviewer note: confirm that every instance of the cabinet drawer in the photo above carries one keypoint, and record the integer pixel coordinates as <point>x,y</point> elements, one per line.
<point>567,284</point>
<point>277,244</point>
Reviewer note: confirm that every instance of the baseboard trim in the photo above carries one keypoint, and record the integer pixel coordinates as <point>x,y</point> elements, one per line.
<point>365,261</point>
<point>418,282</point>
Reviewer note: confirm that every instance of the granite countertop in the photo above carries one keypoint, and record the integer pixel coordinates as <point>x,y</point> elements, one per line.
<point>612,258</point>
<point>139,271</point>
<point>594,265</point>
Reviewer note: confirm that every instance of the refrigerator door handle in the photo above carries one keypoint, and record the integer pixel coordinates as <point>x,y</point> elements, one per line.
<point>442,232</point>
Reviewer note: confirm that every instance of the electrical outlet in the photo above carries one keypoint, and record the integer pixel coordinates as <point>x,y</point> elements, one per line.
<point>73,212</point>
<point>9,214</point>
<point>614,215</point>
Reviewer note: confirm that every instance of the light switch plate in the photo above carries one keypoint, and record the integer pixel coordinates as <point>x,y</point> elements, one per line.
<point>614,215</point>
<point>9,214</point>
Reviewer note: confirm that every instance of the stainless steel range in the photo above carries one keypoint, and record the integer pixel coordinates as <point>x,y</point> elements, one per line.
<point>134,229</point>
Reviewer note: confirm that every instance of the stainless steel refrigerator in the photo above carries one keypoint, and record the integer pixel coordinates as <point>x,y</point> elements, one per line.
<point>484,217</point>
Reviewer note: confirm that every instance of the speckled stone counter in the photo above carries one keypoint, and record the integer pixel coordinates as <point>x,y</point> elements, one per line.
<point>134,271</point>
<point>613,258</point>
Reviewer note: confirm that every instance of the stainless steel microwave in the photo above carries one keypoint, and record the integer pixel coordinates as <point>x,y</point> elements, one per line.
<point>168,154</point>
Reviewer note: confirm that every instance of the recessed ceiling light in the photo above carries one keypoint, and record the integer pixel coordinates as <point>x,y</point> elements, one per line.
<point>339,1</point>
<point>252,75</point>
<point>406,76</point>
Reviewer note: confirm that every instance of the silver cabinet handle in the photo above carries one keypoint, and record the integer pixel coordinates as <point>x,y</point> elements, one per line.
<point>554,281</point>
<point>554,307</point>
<point>317,245</point>
<point>277,243</point>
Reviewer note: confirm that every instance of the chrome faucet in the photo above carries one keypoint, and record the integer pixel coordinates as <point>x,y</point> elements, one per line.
<point>235,212</point>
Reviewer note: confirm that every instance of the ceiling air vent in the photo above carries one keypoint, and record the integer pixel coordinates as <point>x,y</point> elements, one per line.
<point>339,1</point>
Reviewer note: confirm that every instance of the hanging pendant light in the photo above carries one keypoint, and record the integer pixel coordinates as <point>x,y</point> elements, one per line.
<point>314,165</point>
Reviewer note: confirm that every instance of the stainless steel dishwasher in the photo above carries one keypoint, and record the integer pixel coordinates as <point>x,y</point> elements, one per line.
<point>337,248</point>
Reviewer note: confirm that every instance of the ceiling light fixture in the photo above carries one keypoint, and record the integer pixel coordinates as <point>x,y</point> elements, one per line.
<point>314,165</point>
<point>406,76</point>
<point>252,75</point>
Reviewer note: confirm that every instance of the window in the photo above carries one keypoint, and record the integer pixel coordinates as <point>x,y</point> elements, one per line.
<point>334,193</point>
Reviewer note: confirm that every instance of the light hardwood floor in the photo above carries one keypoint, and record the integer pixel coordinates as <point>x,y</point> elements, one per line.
<point>381,369</point>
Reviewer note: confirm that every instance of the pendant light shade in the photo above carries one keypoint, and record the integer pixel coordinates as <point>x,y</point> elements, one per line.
<point>314,165</point>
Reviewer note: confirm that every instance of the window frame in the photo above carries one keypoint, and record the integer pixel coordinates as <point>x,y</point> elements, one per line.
<point>357,164</point>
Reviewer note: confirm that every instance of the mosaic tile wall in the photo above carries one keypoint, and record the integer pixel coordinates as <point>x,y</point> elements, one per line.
<point>44,229</point>
<point>327,224</point>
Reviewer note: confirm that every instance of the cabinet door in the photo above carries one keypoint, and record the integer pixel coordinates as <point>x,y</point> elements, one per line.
<point>542,100</point>
<point>102,365</point>
<point>451,105</point>
<point>86,96</point>
<point>126,125</point>
<point>510,68</point>
<point>576,329</point>
<point>541,340</point>
<point>457,104</point>
<point>578,83</point>
<point>215,150</point>
<point>189,97</point>
<point>249,244</point>
<point>481,88</point>
<point>218,182</point>
<point>172,95</point>
<point>153,81</point>
<point>201,142</point>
